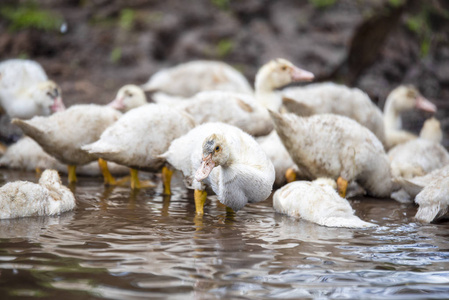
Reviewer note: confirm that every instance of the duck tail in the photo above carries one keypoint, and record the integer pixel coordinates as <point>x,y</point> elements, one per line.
<point>30,130</point>
<point>280,121</point>
<point>411,188</point>
<point>430,213</point>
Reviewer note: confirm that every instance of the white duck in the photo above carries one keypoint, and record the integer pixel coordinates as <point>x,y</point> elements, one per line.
<point>25,199</point>
<point>413,186</point>
<point>243,110</point>
<point>26,154</point>
<point>138,138</point>
<point>63,134</point>
<point>401,99</point>
<point>189,78</point>
<point>419,156</point>
<point>285,167</point>
<point>25,90</point>
<point>128,97</point>
<point>433,201</point>
<point>331,98</point>
<point>226,159</point>
<point>317,203</point>
<point>336,147</point>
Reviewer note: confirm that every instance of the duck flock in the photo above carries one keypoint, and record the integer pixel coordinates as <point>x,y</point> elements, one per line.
<point>316,144</point>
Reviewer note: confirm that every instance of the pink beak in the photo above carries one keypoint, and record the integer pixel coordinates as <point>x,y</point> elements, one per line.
<point>205,168</point>
<point>58,105</point>
<point>301,75</point>
<point>425,105</point>
<point>117,103</point>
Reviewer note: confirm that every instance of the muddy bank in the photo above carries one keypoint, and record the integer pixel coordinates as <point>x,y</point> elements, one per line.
<point>91,48</point>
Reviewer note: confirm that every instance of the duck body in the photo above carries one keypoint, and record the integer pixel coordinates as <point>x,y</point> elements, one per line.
<point>63,134</point>
<point>189,78</point>
<point>331,98</point>
<point>433,201</point>
<point>335,146</point>
<point>279,156</point>
<point>416,158</point>
<point>317,203</point>
<point>237,109</point>
<point>246,175</point>
<point>26,154</point>
<point>25,199</point>
<point>413,186</point>
<point>243,110</point>
<point>138,138</point>
<point>26,91</point>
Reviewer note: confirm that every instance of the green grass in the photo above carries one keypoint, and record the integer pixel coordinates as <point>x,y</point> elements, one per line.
<point>224,47</point>
<point>221,4</point>
<point>322,3</point>
<point>29,15</point>
<point>420,26</point>
<point>126,19</point>
<point>116,55</point>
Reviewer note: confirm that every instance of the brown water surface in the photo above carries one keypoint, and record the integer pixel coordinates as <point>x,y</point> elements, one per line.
<point>120,244</point>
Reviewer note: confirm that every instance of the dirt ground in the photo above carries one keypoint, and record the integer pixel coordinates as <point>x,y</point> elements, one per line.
<point>92,48</point>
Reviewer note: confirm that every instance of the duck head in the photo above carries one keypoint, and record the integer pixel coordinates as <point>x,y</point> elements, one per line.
<point>128,97</point>
<point>407,97</point>
<point>215,153</point>
<point>47,95</point>
<point>280,72</point>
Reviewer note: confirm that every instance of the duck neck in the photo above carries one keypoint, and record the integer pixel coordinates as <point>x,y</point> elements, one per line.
<point>266,94</point>
<point>392,117</point>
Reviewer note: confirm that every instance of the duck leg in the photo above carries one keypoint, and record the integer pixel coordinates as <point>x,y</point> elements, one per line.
<point>342,185</point>
<point>200,198</point>
<point>137,184</point>
<point>108,178</point>
<point>72,173</point>
<point>166,179</point>
<point>290,175</point>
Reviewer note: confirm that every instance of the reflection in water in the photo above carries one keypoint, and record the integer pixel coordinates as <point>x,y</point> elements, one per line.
<point>122,244</point>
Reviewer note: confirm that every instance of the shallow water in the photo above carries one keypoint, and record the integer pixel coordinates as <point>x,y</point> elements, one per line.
<point>119,244</point>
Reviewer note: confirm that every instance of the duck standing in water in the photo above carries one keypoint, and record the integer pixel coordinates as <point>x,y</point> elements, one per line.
<point>138,138</point>
<point>63,134</point>
<point>336,147</point>
<point>226,159</point>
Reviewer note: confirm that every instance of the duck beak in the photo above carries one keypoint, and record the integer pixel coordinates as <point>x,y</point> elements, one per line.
<point>301,75</point>
<point>425,105</point>
<point>117,103</point>
<point>58,105</point>
<point>205,169</point>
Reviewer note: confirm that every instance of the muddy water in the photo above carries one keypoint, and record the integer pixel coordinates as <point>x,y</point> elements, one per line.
<point>120,244</point>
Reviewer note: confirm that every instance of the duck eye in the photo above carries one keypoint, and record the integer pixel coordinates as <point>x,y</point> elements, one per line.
<point>217,148</point>
<point>284,68</point>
